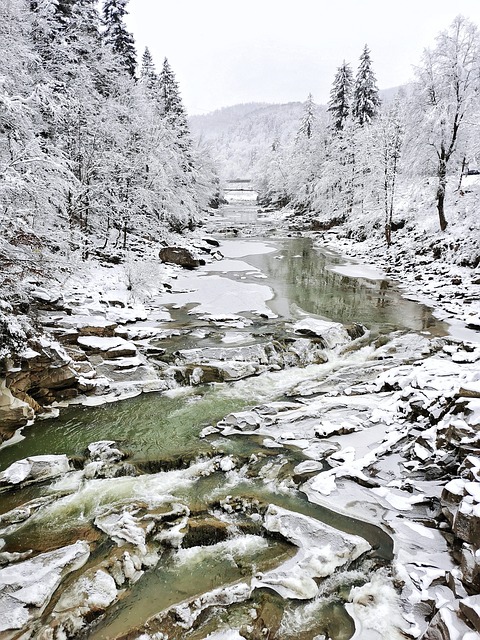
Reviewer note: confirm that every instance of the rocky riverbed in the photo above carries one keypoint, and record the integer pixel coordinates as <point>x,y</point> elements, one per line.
<point>330,487</point>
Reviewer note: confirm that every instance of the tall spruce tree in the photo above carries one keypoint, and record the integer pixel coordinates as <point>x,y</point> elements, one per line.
<point>366,102</point>
<point>341,96</point>
<point>148,75</point>
<point>116,33</point>
<point>173,110</point>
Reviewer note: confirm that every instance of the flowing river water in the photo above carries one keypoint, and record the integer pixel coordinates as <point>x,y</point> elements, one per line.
<point>264,283</point>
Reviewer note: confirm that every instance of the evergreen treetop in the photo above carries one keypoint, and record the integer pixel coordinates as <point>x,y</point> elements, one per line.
<point>116,33</point>
<point>172,106</point>
<point>147,70</point>
<point>366,102</point>
<point>341,96</point>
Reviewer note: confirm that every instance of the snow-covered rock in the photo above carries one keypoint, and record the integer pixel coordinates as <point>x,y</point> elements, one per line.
<point>35,469</point>
<point>14,412</point>
<point>26,587</point>
<point>122,528</point>
<point>333,334</point>
<point>109,347</point>
<point>322,550</point>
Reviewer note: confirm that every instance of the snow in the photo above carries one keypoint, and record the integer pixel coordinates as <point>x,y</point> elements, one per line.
<point>322,550</point>
<point>216,296</point>
<point>226,634</point>
<point>242,248</point>
<point>31,583</point>
<point>35,468</point>
<point>359,271</point>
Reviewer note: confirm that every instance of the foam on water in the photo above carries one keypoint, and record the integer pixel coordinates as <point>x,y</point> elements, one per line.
<point>229,549</point>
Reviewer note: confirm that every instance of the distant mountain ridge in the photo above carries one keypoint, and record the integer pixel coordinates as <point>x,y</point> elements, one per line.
<point>239,134</point>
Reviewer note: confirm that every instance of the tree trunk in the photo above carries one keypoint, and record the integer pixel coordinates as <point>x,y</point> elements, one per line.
<point>462,170</point>
<point>442,184</point>
<point>388,233</point>
<point>125,229</point>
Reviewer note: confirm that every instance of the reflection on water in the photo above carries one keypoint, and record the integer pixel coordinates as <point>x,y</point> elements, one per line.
<point>300,277</point>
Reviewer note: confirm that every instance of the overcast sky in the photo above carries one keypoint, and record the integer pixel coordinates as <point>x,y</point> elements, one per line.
<point>225,52</point>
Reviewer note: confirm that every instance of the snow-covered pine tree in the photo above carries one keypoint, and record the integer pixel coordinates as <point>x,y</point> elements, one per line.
<point>366,102</point>
<point>117,35</point>
<point>173,110</point>
<point>148,75</point>
<point>341,96</point>
<point>63,10</point>
<point>308,119</point>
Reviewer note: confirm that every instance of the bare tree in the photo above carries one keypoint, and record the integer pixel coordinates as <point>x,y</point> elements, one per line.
<point>446,90</point>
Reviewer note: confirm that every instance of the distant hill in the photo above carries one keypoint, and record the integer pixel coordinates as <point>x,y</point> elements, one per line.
<point>240,134</point>
<point>217,122</point>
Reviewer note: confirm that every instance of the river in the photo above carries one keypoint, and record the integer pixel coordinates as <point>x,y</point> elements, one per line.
<point>265,284</point>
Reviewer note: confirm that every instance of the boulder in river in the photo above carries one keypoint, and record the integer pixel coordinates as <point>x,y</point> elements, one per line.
<point>35,469</point>
<point>179,256</point>
<point>27,587</point>
<point>322,550</point>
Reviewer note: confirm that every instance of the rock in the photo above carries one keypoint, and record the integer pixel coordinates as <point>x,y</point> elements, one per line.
<point>211,241</point>
<point>217,372</point>
<point>57,378</point>
<point>242,420</point>
<point>88,596</point>
<point>14,413</point>
<point>470,567</point>
<point>106,461</point>
<point>322,550</point>
<point>466,525</point>
<point>105,450</point>
<point>446,625</point>
<point>122,528</point>
<point>26,587</point>
<point>110,348</point>
<point>470,607</point>
<point>179,256</point>
<point>89,325</point>
<point>333,334</point>
<point>204,531</point>
<point>355,330</point>
<point>35,469</point>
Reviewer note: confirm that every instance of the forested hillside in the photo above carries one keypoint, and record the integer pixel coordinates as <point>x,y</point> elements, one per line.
<point>95,150</point>
<point>242,136</point>
<point>394,166</point>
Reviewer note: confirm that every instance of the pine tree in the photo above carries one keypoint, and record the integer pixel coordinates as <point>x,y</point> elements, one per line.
<point>306,127</point>
<point>116,33</point>
<point>341,96</point>
<point>366,102</point>
<point>148,74</point>
<point>173,110</point>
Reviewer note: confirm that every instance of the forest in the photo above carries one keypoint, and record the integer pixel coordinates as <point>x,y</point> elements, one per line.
<point>95,150</point>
